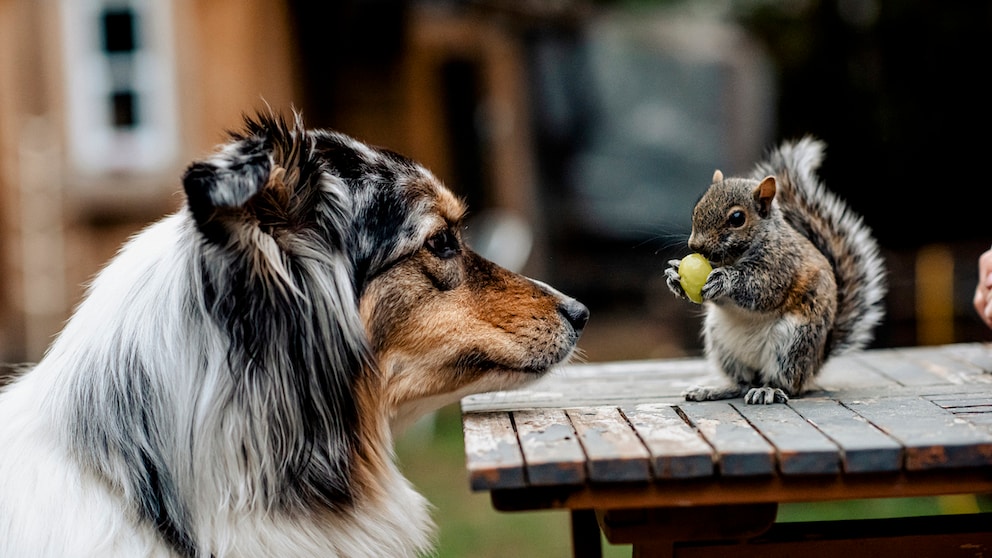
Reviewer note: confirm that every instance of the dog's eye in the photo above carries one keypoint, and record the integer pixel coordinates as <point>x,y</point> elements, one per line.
<point>444,244</point>
<point>736,218</point>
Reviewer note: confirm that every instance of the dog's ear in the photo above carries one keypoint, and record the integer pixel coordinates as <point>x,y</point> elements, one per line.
<point>221,185</point>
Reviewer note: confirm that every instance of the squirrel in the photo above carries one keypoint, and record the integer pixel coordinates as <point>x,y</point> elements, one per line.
<point>797,277</point>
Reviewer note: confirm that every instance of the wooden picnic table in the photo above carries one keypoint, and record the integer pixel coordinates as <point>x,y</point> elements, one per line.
<point>618,447</point>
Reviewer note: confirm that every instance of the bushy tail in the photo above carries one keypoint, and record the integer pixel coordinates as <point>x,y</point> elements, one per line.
<point>840,234</point>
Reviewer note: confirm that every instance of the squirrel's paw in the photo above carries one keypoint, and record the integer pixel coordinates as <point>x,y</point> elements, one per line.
<point>765,396</point>
<point>673,279</point>
<point>716,284</point>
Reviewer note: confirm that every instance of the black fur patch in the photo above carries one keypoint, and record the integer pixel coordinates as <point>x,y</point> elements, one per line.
<point>278,345</point>
<point>383,191</point>
<point>131,434</point>
<point>295,343</point>
<point>211,189</point>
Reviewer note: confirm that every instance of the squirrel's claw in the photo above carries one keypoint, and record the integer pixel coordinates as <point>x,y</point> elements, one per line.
<point>674,281</point>
<point>765,396</point>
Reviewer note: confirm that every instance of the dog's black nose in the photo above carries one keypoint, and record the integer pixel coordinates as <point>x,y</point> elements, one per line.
<point>575,312</point>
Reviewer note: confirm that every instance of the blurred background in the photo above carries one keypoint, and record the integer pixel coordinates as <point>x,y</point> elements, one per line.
<point>580,132</point>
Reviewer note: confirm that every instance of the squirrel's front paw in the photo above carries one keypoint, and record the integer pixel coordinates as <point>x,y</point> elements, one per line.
<point>716,285</point>
<point>673,279</point>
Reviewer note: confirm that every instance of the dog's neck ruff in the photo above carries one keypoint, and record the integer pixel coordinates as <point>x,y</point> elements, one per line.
<point>181,449</point>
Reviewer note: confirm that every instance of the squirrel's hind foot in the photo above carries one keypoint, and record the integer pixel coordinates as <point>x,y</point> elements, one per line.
<point>765,396</point>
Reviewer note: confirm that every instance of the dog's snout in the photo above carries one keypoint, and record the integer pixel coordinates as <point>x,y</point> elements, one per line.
<point>575,312</point>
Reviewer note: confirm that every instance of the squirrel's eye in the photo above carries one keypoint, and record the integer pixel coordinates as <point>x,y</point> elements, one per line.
<point>736,218</point>
<point>444,244</point>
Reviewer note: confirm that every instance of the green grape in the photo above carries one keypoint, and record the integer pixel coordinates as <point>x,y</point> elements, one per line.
<point>693,271</point>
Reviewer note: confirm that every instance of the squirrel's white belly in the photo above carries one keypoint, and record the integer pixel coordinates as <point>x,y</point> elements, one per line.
<point>750,337</point>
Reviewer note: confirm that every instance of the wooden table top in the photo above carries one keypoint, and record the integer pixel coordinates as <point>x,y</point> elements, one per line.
<point>886,422</point>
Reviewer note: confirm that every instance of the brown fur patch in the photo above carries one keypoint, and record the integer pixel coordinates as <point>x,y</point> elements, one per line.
<point>438,325</point>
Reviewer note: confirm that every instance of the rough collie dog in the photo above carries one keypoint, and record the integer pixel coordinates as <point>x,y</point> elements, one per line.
<point>233,381</point>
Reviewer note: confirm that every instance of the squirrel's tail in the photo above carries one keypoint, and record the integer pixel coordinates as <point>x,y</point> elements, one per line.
<point>840,234</point>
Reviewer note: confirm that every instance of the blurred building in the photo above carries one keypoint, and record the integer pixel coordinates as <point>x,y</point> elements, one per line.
<point>584,130</point>
<point>102,103</point>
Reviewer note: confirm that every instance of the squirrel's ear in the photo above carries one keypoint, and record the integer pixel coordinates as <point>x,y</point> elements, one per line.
<point>764,193</point>
<point>717,176</point>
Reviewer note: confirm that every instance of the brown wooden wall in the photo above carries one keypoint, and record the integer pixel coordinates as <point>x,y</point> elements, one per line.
<point>58,228</point>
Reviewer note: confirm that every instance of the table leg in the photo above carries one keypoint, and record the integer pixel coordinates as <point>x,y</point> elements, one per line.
<point>586,542</point>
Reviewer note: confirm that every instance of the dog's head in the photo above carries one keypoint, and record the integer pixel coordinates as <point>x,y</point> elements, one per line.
<point>346,263</point>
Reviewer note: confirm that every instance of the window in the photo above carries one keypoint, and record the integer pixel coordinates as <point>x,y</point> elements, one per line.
<point>120,86</point>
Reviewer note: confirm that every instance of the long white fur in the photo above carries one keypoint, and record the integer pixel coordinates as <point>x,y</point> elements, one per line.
<point>46,496</point>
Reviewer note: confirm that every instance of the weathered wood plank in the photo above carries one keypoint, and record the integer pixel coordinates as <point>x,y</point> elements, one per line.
<point>614,451</point>
<point>865,448</point>
<point>956,402</point>
<point>563,392</point>
<point>613,383</point>
<point>932,437</point>
<point>978,355</point>
<point>740,449</point>
<point>848,372</point>
<point>492,454</point>
<point>980,420</point>
<point>893,365</point>
<point>512,400</point>
<point>800,448</point>
<point>671,369</point>
<point>677,449</point>
<point>940,362</point>
<point>974,407</point>
<point>550,446</point>
<point>532,401</point>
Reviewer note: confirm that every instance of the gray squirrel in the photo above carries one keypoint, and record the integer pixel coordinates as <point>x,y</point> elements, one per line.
<point>797,277</point>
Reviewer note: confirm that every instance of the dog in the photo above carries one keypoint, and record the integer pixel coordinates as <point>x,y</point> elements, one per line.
<point>232,383</point>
